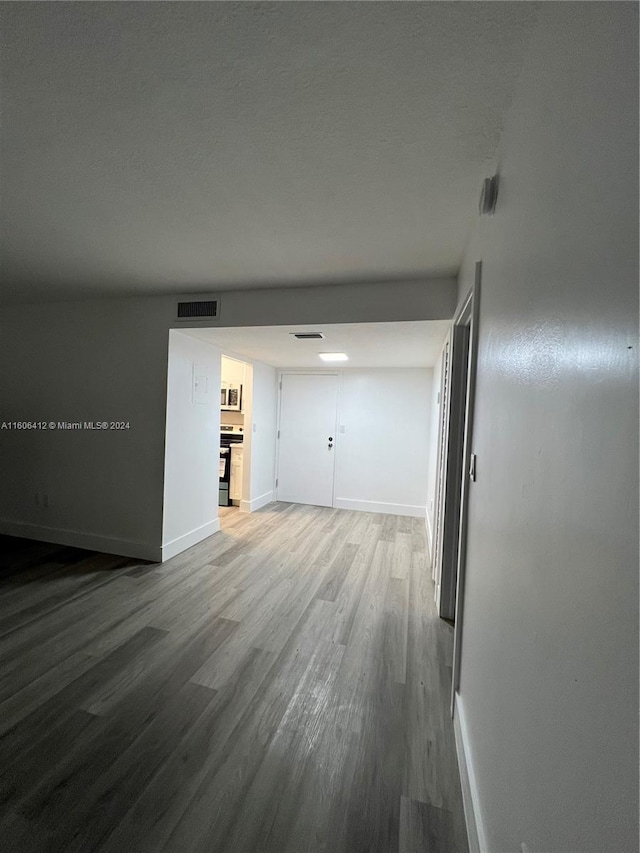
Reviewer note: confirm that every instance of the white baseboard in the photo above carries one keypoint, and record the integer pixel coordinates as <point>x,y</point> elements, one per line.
<point>76,539</point>
<point>375,506</point>
<point>256,503</point>
<point>176,546</point>
<point>427,524</point>
<point>468,783</point>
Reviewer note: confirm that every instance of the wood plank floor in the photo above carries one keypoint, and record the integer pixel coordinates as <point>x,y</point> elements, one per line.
<point>282,687</point>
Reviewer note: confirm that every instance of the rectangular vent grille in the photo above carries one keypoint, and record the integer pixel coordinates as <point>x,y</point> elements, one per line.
<point>197,309</point>
<point>308,336</point>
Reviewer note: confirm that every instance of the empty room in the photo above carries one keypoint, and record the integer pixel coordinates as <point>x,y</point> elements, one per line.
<point>319,427</point>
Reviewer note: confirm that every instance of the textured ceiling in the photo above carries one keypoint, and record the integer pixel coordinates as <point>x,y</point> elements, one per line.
<point>165,147</point>
<point>414,344</point>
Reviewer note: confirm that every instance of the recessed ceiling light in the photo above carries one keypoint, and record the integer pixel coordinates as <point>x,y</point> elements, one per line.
<point>333,356</point>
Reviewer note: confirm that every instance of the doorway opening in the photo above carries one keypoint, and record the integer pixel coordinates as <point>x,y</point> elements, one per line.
<point>456,466</point>
<point>468,318</point>
<point>258,391</point>
<point>236,399</point>
<point>451,465</point>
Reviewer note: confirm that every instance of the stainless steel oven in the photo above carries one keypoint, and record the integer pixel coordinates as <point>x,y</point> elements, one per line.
<point>229,435</point>
<point>224,473</point>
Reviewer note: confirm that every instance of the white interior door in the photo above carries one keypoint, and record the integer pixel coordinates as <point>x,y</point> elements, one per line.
<point>306,452</point>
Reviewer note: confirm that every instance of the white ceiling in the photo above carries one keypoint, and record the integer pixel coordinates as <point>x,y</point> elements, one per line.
<point>167,147</point>
<point>414,344</point>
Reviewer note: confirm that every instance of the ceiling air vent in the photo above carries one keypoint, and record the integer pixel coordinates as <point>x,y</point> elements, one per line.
<point>189,310</point>
<point>307,336</point>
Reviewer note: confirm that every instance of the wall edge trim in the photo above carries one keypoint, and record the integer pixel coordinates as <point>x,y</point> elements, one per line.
<point>377,506</point>
<point>78,539</point>
<point>470,796</point>
<point>427,524</point>
<point>256,503</point>
<point>181,543</point>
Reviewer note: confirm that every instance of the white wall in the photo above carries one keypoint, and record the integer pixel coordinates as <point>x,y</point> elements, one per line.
<point>262,436</point>
<point>382,457</point>
<point>85,361</point>
<point>193,431</point>
<point>192,449</point>
<point>432,471</point>
<point>107,358</point>
<point>549,675</point>
<point>377,302</point>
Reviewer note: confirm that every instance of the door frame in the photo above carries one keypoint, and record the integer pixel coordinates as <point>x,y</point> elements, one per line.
<point>468,315</point>
<point>443,440</point>
<point>454,465</point>
<point>310,371</point>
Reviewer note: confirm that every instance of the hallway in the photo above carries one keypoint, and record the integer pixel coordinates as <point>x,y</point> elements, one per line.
<point>282,687</point>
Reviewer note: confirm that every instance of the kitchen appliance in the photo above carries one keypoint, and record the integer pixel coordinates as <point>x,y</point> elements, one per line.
<point>224,474</point>
<point>230,434</point>
<point>231,397</point>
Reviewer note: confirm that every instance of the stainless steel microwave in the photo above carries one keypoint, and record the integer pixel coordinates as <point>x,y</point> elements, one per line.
<point>231,397</point>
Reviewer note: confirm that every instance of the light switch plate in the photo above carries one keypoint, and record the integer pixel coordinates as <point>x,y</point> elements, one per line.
<point>200,383</point>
